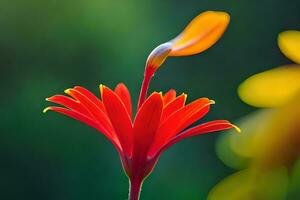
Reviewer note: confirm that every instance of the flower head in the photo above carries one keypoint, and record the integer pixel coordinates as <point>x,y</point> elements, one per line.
<point>160,121</point>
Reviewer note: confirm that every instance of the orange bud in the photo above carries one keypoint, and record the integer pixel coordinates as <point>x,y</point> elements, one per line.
<point>200,34</point>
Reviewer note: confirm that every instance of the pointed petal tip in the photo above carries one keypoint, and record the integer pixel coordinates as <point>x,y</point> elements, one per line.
<point>101,86</point>
<point>236,128</point>
<point>212,102</point>
<point>67,91</point>
<point>185,95</point>
<point>160,94</point>
<point>46,109</point>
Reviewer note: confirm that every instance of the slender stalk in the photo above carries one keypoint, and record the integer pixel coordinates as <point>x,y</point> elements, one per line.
<point>145,85</point>
<point>135,187</point>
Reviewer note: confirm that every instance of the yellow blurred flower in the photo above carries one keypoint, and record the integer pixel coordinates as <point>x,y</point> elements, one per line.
<point>271,88</point>
<point>289,44</point>
<point>268,153</point>
<point>276,86</point>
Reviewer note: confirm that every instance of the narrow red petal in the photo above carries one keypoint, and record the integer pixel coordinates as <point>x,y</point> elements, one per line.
<point>169,96</point>
<point>93,109</point>
<point>69,103</point>
<point>179,121</point>
<point>195,116</point>
<point>146,124</point>
<point>119,118</point>
<point>208,127</point>
<point>91,97</point>
<point>123,93</point>
<point>86,120</point>
<point>173,106</point>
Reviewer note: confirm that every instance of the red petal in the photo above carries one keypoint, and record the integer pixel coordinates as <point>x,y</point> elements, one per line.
<point>212,126</point>
<point>173,106</point>
<point>169,96</point>
<point>91,97</point>
<point>122,91</point>
<point>207,127</point>
<point>69,103</point>
<point>146,123</point>
<point>179,121</point>
<point>82,118</point>
<point>195,116</point>
<point>93,109</point>
<point>119,118</point>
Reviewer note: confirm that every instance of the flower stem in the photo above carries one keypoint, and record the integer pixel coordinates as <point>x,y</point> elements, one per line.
<point>135,187</point>
<point>144,88</point>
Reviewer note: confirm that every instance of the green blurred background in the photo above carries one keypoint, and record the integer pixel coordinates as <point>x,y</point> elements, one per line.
<point>47,46</point>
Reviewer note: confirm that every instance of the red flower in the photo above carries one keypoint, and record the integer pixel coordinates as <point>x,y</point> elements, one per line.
<point>160,120</point>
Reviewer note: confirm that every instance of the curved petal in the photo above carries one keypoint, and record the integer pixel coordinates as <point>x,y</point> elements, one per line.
<point>146,123</point>
<point>179,121</point>
<point>93,109</point>
<point>119,118</point>
<point>91,97</point>
<point>289,44</point>
<point>69,103</point>
<point>173,106</point>
<point>86,120</point>
<point>123,93</point>
<point>208,127</point>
